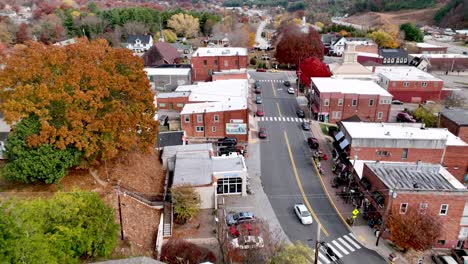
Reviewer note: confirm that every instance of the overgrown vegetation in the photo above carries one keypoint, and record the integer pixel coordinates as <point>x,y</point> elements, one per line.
<point>62,229</point>
<point>186,203</point>
<point>425,116</point>
<point>176,251</point>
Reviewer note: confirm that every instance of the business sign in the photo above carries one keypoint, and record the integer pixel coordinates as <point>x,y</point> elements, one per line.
<point>236,129</point>
<point>237,121</point>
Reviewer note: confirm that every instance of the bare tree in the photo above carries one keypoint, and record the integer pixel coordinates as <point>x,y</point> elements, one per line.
<point>455,100</point>
<point>239,37</point>
<point>134,28</point>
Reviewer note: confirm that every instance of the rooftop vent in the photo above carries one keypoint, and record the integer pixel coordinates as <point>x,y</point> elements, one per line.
<point>388,133</point>
<point>416,185</point>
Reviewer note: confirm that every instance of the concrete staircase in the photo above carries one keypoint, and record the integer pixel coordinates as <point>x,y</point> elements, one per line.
<point>168,219</point>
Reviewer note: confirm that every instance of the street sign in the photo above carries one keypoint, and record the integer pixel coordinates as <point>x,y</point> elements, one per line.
<point>354,216</point>
<point>355,212</point>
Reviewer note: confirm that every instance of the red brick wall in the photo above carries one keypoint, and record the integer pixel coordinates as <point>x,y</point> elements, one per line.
<point>174,101</point>
<point>445,64</point>
<point>461,132</point>
<point>425,155</point>
<point>200,71</point>
<point>432,50</point>
<point>367,48</point>
<point>450,222</point>
<point>456,161</point>
<point>415,93</point>
<point>208,122</point>
<point>362,109</point>
<point>362,59</point>
<point>230,76</point>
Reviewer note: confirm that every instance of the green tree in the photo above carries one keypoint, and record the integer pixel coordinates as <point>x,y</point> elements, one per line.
<point>29,164</point>
<point>62,229</point>
<point>412,33</point>
<point>186,203</point>
<point>425,116</point>
<point>297,253</point>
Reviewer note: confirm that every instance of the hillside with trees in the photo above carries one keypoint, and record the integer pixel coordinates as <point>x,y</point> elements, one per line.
<point>454,14</point>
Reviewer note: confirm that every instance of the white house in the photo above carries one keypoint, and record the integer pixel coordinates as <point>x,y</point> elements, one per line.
<point>139,43</point>
<point>338,47</point>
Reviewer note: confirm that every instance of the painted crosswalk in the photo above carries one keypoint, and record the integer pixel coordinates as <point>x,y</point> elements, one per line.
<point>275,81</point>
<point>282,119</point>
<point>341,247</point>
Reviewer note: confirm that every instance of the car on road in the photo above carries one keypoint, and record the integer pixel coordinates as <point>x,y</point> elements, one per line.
<point>300,113</point>
<point>258,99</point>
<point>405,117</point>
<point>261,70</point>
<point>227,141</point>
<point>313,142</point>
<point>397,102</point>
<point>291,90</point>
<point>287,83</point>
<point>262,133</point>
<point>441,259</point>
<point>260,112</point>
<point>257,84</point>
<point>258,89</point>
<point>247,242</point>
<point>304,215</point>
<point>241,217</point>
<point>305,126</point>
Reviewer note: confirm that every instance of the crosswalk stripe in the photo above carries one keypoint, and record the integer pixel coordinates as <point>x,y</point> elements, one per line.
<point>274,118</point>
<point>297,119</point>
<point>346,244</point>
<point>287,119</point>
<point>340,247</point>
<point>334,250</point>
<point>323,258</point>
<point>356,245</point>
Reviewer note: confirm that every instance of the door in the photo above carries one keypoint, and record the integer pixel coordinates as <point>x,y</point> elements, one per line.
<point>171,106</point>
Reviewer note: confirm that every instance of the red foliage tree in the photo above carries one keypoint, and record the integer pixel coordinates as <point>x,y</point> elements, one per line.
<point>177,251</point>
<point>312,67</point>
<point>23,34</point>
<point>295,43</point>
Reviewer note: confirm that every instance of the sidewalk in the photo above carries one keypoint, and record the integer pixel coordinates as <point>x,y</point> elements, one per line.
<point>361,230</point>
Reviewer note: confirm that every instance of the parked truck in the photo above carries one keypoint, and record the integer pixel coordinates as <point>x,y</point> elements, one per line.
<point>460,255</point>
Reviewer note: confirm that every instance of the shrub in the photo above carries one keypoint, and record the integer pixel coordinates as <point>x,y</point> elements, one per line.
<point>253,61</point>
<point>186,203</point>
<point>176,251</point>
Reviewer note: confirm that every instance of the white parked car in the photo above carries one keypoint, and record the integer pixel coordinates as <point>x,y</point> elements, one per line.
<point>291,90</point>
<point>303,214</point>
<point>247,242</point>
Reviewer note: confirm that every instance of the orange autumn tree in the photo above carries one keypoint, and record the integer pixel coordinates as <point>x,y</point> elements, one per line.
<point>88,96</point>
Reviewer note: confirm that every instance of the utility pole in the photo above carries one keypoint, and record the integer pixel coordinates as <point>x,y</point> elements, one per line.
<point>120,212</point>
<point>387,210</point>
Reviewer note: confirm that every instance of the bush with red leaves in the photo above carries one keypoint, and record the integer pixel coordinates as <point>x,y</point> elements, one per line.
<point>177,251</point>
<point>312,67</point>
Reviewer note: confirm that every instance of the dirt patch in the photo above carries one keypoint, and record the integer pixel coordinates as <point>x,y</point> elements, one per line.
<point>201,226</point>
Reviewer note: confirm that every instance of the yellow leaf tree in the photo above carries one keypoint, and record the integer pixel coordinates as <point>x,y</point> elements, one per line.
<point>88,95</point>
<point>184,24</point>
<point>383,39</point>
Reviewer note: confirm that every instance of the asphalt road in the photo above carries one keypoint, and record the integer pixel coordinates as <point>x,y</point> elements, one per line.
<point>288,176</point>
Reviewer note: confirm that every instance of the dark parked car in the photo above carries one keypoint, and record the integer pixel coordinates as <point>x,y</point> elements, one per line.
<point>305,126</point>
<point>261,70</point>
<point>227,141</point>
<point>262,133</point>
<point>313,143</point>
<point>300,113</point>
<point>287,83</point>
<point>397,102</point>
<point>405,117</point>
<point>227,150</point>
<point>258,99</point>
<point>258,90</point>
<point>260,111</point>
<point>237,218</point>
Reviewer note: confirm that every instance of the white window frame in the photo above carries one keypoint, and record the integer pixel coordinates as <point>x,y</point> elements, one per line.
<point>180,104</point>
<point>326,102</point>
<point>199,118</point>
<point>199,129</point>
<point>379,115</point>
<point>354,102</point>
<point>423,207</point>
<point>405,207</point>
<point>424,84</point>
<point>213,129</point>
<point>187,118</point>
<point>216,118</point>
<point>442,208</point>
<point>336,114</point>
<point>405,84</point>
<point>340,102</point>
<point>371,102</point>
<point>161,105</point>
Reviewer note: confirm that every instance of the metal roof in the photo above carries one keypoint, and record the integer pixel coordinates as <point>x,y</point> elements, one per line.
<point>458,115</point>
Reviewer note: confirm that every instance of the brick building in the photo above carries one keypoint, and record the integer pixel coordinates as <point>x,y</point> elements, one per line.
<point>394,56</point>
<point>456,121</point>
<point>429,188</point>
<point>440,62</point>
<point>426,48</point>
<point>205,61</point>
<point>333,99</point>
<point>210,110</point>
<point>409,84</point>
<point>404,142</point>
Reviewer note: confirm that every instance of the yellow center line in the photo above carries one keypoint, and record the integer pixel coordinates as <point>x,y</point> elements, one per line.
<point>279,111</point>
<point>273,88</point>
<point>328,194</point>
<point>299,184</point>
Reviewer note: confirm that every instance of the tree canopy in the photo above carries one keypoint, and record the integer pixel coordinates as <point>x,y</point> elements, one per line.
<point>295,44</point>
<point>184,25</point>
<point>88,96</point>
<point>312,67</point>
<point>384,39</point>
<point>297,253</point>
<point>412,33</point>
<point>61,229</point>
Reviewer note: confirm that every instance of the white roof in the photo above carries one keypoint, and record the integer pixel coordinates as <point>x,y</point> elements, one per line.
<point>368,54</point>
<point>207,52</point>
<point>404,73</point>
<point>427,45</point>
<point>222,95</point>
<point>447,55</point>
<point>167,71</point>
<point>399,131</point>
<point>349,86</point>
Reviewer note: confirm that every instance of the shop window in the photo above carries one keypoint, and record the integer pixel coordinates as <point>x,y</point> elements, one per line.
<point>229,186</point>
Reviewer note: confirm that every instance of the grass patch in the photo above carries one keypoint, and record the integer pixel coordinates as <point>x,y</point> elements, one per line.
<point>324,128</point>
